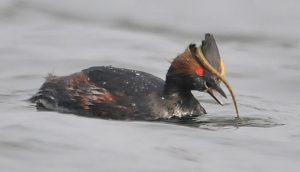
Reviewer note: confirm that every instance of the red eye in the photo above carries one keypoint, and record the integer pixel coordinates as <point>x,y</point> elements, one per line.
<point>199,71</point>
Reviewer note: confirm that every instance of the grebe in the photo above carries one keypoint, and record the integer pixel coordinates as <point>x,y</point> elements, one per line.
<point>116,93</point>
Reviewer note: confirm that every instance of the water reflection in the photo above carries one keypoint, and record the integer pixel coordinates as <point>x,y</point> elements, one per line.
<point>217,122</point>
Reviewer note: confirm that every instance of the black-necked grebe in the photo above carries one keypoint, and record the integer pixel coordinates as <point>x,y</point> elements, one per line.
<point>116,93</point>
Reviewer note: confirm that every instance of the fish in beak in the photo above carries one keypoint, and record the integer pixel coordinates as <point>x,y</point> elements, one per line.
<point>208,56</point>
<point>211,53</point>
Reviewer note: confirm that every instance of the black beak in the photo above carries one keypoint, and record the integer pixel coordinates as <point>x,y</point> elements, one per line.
<point>213,88</point>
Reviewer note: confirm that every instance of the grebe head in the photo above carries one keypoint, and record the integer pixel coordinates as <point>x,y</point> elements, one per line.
<point>186,73</point>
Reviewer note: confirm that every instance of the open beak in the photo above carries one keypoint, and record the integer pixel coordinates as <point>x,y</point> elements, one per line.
<point>214,90</point>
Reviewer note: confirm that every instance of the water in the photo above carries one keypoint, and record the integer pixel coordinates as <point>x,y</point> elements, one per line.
<point>259,42</point>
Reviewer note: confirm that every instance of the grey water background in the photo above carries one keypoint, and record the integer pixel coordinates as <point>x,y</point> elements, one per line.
<point>259,41</point>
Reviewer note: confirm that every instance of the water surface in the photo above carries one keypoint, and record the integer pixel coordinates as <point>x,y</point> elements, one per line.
<point>260,45</point>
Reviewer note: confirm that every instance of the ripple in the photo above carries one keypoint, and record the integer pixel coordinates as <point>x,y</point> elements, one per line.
<point>239,122</point>
<point>217,122</point>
